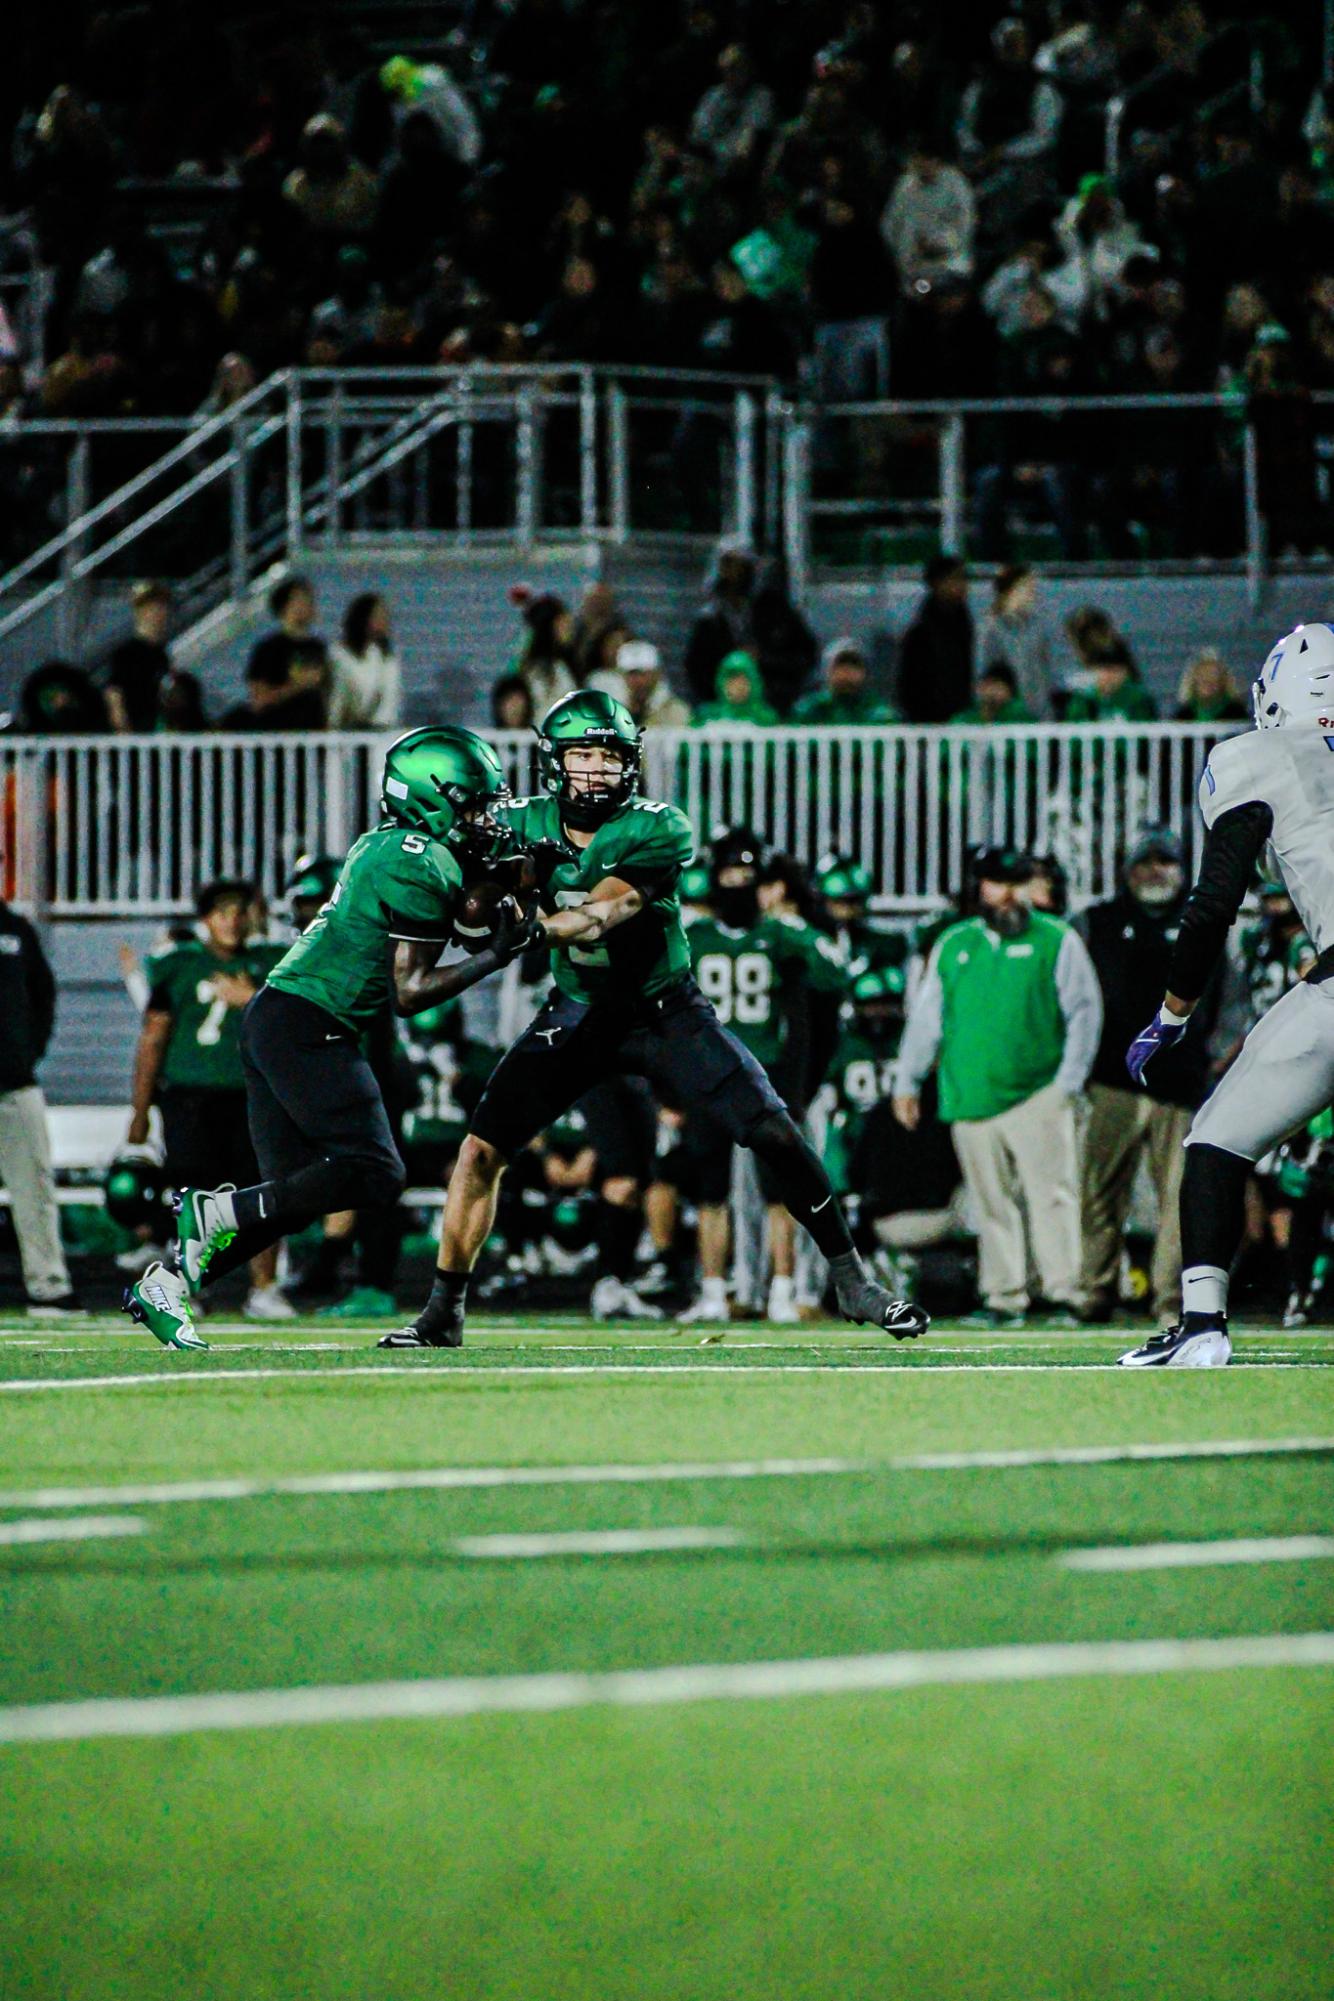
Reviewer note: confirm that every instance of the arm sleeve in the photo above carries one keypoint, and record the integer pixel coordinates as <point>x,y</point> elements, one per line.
<point>1232,848</point>
<point>921,1036</point>
<point>1080,999</point>
<point>823,965</point>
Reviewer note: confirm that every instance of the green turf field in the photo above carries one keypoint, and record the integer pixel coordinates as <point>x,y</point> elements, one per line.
<point>599,1664</point>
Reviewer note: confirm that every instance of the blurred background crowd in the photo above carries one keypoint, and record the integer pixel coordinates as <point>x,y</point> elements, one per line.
<point>916,199</point>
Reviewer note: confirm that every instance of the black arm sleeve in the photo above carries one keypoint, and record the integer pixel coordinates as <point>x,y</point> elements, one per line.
<point>1231,850</point>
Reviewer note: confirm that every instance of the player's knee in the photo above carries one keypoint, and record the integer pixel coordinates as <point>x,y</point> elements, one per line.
<point>379,1181</point>
<point>621,1190</point>
<point>480,1161</point>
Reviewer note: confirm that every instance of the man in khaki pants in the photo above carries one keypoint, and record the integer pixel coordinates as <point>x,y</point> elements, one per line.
<point>1009,1012</point>
<point>1130,940</point>
<point>28,1012</point>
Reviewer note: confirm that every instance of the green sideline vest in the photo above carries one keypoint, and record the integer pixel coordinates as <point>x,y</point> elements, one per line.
<point>1003,1033</point>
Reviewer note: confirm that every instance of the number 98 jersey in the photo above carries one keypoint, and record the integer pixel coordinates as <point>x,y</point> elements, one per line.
<point>745,975</point>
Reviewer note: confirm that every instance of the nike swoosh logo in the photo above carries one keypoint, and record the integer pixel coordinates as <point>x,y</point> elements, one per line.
<point>333,1038</point>
<point>822,1205</point>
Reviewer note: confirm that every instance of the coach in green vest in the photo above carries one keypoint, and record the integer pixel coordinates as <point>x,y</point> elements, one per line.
<point>1009,1013</point>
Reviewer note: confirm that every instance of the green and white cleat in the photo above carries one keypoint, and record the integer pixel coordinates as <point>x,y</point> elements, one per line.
<point>202,1229</point>
<point>160,1302</point>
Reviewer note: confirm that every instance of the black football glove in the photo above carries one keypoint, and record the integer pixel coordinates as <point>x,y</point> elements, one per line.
<point>516,930</point>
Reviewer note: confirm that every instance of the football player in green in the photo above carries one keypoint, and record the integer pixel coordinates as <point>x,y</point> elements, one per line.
<point>757,971</point>
<point>317,1119</point>
<point>188,1057</point>
<point>862,1070</point>
<point>609,867</point>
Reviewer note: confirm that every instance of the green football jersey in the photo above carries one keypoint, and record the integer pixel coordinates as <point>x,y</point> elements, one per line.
<point>747,973</point>
<point>203,1050</point>
<point>648,843</point>
<point>394,884</point>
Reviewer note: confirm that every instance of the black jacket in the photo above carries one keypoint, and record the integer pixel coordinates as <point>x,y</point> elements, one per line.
<point>27,1001</point>
<point>936,663</point>
<point>1131,948</point>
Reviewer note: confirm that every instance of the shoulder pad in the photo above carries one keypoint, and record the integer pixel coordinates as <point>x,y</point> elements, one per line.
<point>1235,774</point>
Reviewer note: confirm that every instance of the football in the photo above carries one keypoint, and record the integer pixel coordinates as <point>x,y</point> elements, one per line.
<point>478,914</point>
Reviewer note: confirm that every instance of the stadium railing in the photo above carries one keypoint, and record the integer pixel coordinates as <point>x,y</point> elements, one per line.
<point>130,826</point>
<point>522,456</point>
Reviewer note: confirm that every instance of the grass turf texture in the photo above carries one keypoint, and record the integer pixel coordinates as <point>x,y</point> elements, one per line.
<point>1112,1836</point>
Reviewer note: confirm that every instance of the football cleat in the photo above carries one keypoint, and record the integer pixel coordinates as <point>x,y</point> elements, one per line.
<point>160,1302</point>
<point>201,1229</point>
<point>1202,1347</point>
<point>412,1336</point>
<point>613,1299</point>
<point>268,1302</point>
<point>865,1302</point>
<point>704,1308</point>
<point>781,1308</point>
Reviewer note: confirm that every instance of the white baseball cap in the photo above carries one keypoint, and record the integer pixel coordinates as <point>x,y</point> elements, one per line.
<point>638,656</point>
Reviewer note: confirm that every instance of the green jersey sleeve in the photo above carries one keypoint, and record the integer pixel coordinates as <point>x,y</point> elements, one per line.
<point>417,887</point>
<point>648,846</point>
<point>818,956</point>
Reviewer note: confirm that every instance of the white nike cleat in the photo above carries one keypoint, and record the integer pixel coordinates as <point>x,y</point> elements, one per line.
<point>1208,1347</point>
<point>202,1229</point>
<point>160,1302</point>
<point>613,1299</point>
<point>268,1302</point>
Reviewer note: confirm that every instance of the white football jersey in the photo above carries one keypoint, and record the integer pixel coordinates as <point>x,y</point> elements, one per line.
<point>1292,772</point>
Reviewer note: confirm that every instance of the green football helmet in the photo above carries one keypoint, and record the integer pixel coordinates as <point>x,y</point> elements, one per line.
<point>442,781</point>
<point>588,718</point>
<point>840,880</point>
<point>135,1192</point>
<point>310,885</point>
<point>879,999</point>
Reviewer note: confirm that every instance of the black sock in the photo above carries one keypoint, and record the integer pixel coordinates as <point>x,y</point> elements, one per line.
<point>804,1188</point>
<point>274,1209</point>
<point>444,1308</point>
<point>1213,1206</point>
<point>379,1236</point>
<point>618,1237</point>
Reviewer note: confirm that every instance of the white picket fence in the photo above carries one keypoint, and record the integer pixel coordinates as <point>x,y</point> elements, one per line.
<point>130,826</point>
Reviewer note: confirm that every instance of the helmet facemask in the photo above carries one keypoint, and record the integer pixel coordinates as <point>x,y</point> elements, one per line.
<point>588,799</point>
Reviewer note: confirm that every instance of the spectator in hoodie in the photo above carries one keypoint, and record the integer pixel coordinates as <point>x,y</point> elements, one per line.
<point>726,622</point>
<point>739,698</point>
<point>936,656</point>
<point>1015,635</point>
<point>847,699</point>
<point>995,699</point>
<point>332,193</point>
<point>647,696</point>
<point>930,218</point>
<point>140,664</point>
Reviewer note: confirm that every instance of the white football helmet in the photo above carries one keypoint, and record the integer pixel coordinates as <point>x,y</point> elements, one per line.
<point>1296,683</point>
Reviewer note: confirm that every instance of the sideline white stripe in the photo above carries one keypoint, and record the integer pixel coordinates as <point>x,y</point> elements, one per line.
<point>596,1542</point>
<point>1193,1555</point>
<point>695,1371</point>
<point>163,1492</point>
<point>77,1528</point>
<point>748,1681</point>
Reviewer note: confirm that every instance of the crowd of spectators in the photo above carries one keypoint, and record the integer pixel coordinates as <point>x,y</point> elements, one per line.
<point>913,199</point>
<point>749,659</point>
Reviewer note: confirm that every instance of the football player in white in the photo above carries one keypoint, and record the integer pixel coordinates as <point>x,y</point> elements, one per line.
<point>1274,784</point>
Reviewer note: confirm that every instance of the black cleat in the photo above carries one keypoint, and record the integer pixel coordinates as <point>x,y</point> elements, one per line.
<point>413,1336</point>
<point>865,1302</point>
<point>1202,1346</point>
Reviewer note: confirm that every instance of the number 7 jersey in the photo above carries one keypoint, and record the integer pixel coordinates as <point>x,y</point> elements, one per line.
<point>646,844</point>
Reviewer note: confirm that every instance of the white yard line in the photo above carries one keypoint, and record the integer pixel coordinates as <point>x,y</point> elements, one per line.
<point>71,1528</point>
<point>596,1542</point>
<point>431,1478</point>
<point>446,1372</point>
<point>1196,1555</point>
<point>748,1681</point>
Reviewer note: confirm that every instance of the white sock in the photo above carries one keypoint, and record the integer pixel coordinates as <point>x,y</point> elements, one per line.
<point>226,1207</point>
<point>714,1291</point>
<point>1204,1290</point>
<point>780,1292</point>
